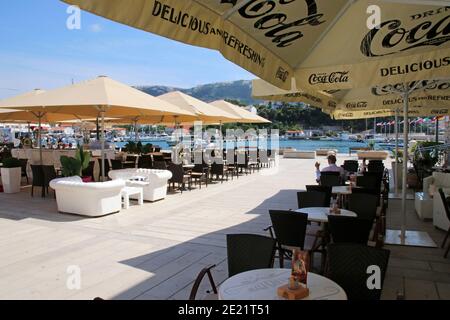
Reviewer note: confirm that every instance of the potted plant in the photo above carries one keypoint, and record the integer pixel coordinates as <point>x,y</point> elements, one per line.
<point>11,175</point>
<point>75,166</point>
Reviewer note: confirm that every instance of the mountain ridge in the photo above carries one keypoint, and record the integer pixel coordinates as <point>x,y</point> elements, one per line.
<point>240,90</point>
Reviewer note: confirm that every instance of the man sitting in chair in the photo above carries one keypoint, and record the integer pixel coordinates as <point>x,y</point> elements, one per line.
<point>332,167</point>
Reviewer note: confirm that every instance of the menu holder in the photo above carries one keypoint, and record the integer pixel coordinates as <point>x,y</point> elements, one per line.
<point>297,287</point>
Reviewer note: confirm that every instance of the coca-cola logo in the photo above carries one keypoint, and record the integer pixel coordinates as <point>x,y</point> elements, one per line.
<point>275,22</point>
<point>417,85</point>
<point>332,104</point>
<point>440,111</point>
<point>356,105</point>
<point>333,77</point>
<point>393,37</point>
<point>282,74</point>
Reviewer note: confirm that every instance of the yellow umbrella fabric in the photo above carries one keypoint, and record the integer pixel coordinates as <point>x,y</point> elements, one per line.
<point>244,115</point>
<point>305,43</point>
<point>428,98</point>
<point>89,98</point>
<point>204,111</point>
<point>8,115</point>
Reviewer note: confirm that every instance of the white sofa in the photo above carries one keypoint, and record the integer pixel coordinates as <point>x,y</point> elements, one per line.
<point>87,199</point>
<point>154,182</point>
<point>433,183</point>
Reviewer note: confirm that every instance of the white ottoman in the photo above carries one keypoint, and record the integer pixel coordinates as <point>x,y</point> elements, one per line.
<point>128,192</point>
<point>424,205</point>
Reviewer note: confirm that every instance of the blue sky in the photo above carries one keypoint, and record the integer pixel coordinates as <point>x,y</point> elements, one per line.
<point>38,51</point>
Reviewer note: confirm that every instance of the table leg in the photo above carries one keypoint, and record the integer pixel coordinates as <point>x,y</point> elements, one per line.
<point>126,201</point>
<point>141,198</point>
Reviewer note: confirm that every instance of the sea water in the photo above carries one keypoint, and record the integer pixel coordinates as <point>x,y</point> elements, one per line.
<point>309,145</point>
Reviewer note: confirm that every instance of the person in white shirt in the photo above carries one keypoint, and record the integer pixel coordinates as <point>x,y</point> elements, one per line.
<point>332,167</point>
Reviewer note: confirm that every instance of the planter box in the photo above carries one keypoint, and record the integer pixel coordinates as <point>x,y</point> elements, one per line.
<point>11,179</point>
<point>397,173</point>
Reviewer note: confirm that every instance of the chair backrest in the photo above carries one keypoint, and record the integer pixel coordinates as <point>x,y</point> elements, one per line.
<point>368,182</point>
<point>145,161</point>
<point>330,179</point>
<point>89,171</point>
<point>49,173</point>
<point>249,252</point>
<point>200,168</point>
<point>348,266</point>
<point>445,203</point>
<point>351,165</point>
<point>158,157</point>
<point>116,164</point>
<point>319,188</point>
<point>217,168</point>
<point>160,165</point>
<point>289,227</point>
<point>306,199</point>
<point>363,204</point>
<point>375,167</point>
<point>23,165</point>
<point>177,172</point>
<point>349,229</point>
<point>38,175</point>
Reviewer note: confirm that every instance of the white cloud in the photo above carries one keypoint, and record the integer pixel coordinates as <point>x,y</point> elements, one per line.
<point>95,27</point>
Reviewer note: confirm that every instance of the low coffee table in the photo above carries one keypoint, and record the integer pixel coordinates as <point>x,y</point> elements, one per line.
<point>131,191</point>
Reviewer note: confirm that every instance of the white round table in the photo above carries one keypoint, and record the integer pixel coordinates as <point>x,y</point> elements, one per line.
<point>320,214</point>
<point>262,284</point>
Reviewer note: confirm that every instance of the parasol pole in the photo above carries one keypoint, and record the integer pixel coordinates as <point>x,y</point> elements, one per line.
<point>102,141</point>
<point>437,129</point>
<point>405,163</point>
<point>39,137</point>
<point>136,133</point>
<point>396,149</point>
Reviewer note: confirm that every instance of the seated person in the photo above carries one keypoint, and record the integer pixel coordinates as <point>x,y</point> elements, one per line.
<point>332,167</point>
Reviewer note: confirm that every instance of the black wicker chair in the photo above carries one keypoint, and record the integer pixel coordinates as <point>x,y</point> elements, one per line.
<point>306,199</point>
<point>219,170</point>
<point>179,177</point>
<point>446,204</point>
<point>23,165</point>
<point>49,175</point>
<point>364,205</point>
<point>200,173</point>
<point>289,230</point>
<point>348,266</point>
<point>160,165</point>
<point>318,188</point>
<point>351,166</point>
<point>330,179</point>
<point>198,281</point>
<point>130,162</point>
<point>349,229</point>
<point>249,252</point>
<point>145,161</point>
<point>116,164</point>
<point>38,179</point>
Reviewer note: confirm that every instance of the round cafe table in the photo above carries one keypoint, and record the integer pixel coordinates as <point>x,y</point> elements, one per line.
<point>320,214</point>
<point>262,284</point>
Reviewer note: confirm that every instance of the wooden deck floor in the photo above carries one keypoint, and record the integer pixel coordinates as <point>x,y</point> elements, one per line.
<point>156,250</point>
